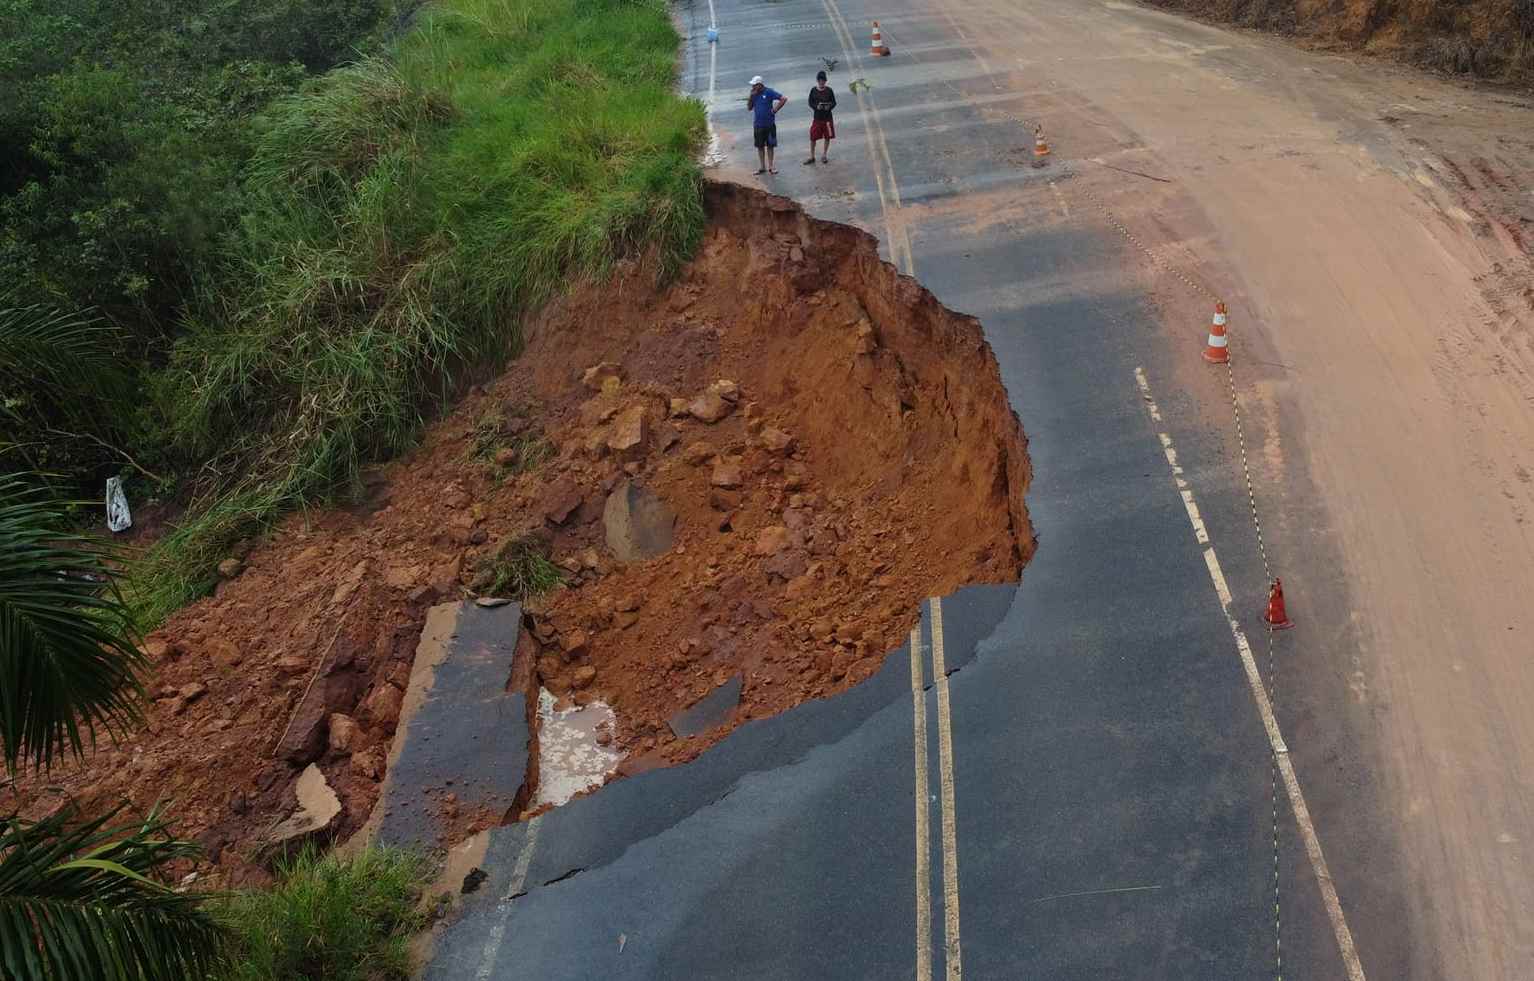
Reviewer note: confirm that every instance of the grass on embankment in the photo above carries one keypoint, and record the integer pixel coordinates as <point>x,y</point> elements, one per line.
<point>407,210</point>
<point>329,918</point>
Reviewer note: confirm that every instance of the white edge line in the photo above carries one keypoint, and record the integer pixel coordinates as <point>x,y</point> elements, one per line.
<point>923,834</point>
<point>518,880</point>
<point>1280,751</point>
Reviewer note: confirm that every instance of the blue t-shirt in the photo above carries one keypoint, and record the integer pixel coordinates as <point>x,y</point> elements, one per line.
<point>763,107</point>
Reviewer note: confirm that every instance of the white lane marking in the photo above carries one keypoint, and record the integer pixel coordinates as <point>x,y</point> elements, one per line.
<point>950,816</point>
<point>1199,531</point>
<point>518,880</point>
<point>1280,751</point>
<point>923,835</point>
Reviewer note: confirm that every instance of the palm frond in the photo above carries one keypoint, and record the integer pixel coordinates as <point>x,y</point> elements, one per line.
<point>56,353</point>
<point>78,899</point>
<point>69,664</point>
<point>60,379</point>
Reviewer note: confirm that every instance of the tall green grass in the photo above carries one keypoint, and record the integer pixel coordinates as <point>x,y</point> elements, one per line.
<point>329,918</point>
<point>407,211</point>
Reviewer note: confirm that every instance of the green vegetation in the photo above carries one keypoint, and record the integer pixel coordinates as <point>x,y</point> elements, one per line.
<point>509,442</point>
<point>298,279</point>
<point>124,130</point>
<point>330,919</point>
<point>518,568</point>
<point>68,661</point>
<point>78,900</point>
<point>79,896</point>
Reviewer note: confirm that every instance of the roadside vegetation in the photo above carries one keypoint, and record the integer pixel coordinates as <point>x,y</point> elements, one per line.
<point>246,247</point>
<point>309,263</point>
<point>89,895</point>
<point>329,918</point>
<point>80,895</point>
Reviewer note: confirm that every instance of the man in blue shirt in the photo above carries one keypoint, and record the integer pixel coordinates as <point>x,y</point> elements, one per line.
<point>764,103</point>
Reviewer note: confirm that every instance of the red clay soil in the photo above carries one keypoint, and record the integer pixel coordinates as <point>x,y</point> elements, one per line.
<point>869,460</point>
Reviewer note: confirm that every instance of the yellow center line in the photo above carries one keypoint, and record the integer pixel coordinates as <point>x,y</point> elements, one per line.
<point>950,815</point>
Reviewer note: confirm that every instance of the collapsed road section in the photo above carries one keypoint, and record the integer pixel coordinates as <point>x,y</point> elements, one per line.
<point>718,495</point>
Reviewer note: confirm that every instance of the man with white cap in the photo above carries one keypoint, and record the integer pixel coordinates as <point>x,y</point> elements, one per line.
<point>764,103</point>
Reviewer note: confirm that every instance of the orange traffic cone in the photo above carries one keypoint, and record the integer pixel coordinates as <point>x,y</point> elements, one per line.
<point>1217,351</point>
<point>1040,147</point>
<point>878,50</point>
<point>1276,617</point>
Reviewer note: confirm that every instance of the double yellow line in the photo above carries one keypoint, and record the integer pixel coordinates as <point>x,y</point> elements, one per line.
<point>898,237</point>
<point>952,959</point>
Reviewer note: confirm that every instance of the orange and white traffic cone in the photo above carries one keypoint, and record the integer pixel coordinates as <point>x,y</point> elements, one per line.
<point>878,49</point>
<point>1276,617</point>
<point>1040,146</point>
<point>1217,351</point>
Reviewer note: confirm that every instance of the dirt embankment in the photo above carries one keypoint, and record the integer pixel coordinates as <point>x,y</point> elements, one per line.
<point>1491,39</point>
<point>816,446</point>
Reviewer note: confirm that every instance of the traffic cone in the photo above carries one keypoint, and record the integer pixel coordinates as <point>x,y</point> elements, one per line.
<point>1217,351</point>
<point>878,50</point>
<point>1040,147</point>
<point>1276,617</point>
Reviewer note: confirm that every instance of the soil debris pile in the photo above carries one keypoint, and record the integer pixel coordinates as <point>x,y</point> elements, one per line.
<point>742,484</point>
<point>1486,38</point>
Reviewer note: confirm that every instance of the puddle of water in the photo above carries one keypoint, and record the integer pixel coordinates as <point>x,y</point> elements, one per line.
<point>570,759</point>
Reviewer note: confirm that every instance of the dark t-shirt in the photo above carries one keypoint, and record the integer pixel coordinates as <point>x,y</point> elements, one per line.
<point>822,101</point>
<point>761,106</point>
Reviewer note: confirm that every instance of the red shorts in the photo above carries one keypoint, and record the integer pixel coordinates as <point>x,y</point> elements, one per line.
<point>822,129</point>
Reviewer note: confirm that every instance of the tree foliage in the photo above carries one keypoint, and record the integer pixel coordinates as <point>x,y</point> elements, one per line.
<point>78,899</point>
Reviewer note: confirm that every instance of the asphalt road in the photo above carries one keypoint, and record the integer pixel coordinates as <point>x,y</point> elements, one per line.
<point>1107,802</point>
<point>1095,791</point>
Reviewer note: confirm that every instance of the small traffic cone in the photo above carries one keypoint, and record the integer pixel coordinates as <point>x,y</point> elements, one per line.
<point>878,50</point>
<point>1276,617</point>
<point>1217,350</point>
<point>1040,147</point>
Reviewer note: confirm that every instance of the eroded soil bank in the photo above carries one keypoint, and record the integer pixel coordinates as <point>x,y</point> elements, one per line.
<point>814,445</point>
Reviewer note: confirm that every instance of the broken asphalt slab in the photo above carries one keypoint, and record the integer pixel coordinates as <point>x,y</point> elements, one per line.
<point>461,731</point>
<point>772,773</point>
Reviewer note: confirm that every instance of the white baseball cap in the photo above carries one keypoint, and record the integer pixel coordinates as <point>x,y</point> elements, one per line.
<point>756,80</point>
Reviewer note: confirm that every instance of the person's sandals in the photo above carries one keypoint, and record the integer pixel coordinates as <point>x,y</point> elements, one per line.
<point>825,160</point>
<point>758,173</point>
<point>772,171</point>
<point>810,161</point>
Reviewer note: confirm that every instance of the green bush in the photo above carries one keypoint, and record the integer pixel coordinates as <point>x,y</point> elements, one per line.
<point>124,131</point>
<point>329,918</point>
<point>403,213</point>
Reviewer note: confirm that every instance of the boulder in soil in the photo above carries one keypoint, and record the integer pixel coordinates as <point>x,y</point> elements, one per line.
<point>343,733</point>
<point>630,431</point>
<point>563,498</point>
<point>776,440</point>
<point>698,454</point>
<point>230,568</point>
<point>709,407</point>
<point>728,473</point>
<point>384,705</point>
<point>638,524</point>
